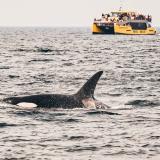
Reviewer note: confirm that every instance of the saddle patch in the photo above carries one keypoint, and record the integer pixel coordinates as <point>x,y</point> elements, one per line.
<point>89,103</point>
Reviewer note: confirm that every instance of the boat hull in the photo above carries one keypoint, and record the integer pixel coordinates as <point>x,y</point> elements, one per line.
<point>102,29</point>
<point>127,30</point>
<point>123,30</point>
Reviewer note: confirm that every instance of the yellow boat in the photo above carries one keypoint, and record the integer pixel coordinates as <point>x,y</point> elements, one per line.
<point>123,22</point>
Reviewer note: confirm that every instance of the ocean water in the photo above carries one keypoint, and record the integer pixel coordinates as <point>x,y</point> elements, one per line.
<point>60,60</point>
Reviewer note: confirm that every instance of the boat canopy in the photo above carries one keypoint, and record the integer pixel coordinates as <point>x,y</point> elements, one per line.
<point>123,12</point>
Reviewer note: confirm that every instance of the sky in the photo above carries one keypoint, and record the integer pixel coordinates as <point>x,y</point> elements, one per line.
<point>69,12</point>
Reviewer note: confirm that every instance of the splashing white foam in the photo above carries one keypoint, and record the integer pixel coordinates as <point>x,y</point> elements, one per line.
<point>89,103</point>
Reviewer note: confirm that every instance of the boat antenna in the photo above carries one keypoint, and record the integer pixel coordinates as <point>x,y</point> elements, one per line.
<point>121,4</point>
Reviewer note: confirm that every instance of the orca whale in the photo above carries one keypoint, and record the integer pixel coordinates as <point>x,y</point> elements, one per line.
<point>84,98</point>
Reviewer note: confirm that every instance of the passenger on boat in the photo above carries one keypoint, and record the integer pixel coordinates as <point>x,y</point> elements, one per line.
<point>149,18</point>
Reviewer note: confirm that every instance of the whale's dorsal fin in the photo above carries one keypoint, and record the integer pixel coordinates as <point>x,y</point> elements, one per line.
<point>87,90</point>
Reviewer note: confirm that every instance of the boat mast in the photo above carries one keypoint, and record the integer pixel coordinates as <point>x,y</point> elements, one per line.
<point>121,5</point>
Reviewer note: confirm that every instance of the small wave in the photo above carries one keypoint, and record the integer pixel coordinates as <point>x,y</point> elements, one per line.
<point>114,94</point>
<point>143,103</point>
<point>5,67</point>
<point>18,140</point>
<point>32,50</point>
<point>48,118</point>
<point>22,84</point>
<point>156,145</point>
<point>39,49</point>
<point>77,137</point>
<point>41,60</point>
<point>145,145</point>
<point>82,148</point>
<point>96,112</point>
<point>45,50</point>
<point>68,64</point>
<point>155,137</point>
<point>70,120</point>
<point>22,50</point>
<point>3,124</point>
<point>26,112</point>
<point>13,76</point>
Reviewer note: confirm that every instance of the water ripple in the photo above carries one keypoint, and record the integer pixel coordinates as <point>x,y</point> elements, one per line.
<point>60,60</point>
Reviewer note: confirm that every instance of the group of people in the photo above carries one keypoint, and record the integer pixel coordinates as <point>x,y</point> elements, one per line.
<point>118,17</point>
<point>134,16</point>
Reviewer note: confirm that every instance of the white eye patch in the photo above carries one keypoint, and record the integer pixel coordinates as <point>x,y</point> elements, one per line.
<point>27,105</point>
<point>89,103</point>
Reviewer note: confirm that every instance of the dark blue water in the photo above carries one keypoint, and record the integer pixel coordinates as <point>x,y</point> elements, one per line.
<point>59,60</point>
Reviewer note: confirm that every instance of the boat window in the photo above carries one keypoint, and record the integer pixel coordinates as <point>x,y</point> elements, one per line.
<point>138,26</point>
